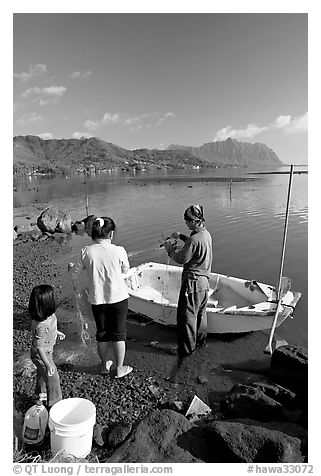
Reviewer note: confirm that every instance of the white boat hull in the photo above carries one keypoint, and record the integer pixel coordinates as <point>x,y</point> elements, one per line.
<point>234,305</point>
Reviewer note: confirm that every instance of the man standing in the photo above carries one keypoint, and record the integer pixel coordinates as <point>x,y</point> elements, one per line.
<point>196,258</point>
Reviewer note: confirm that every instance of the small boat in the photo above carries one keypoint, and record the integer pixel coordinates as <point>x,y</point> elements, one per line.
<point>234,304</point>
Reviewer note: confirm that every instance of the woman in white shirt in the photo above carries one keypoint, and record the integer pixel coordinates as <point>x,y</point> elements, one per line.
<point>105,264</point>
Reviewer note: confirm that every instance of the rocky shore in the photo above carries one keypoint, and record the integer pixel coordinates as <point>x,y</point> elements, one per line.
<point>257,404</point>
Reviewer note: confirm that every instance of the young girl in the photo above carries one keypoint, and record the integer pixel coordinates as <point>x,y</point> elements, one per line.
<point>42,307</point>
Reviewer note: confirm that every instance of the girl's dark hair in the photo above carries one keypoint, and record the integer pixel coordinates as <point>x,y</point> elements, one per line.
<point>42,302</point>
<point>101,232</point>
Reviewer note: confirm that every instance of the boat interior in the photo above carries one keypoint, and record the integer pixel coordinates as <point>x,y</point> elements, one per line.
<point>161,284</point>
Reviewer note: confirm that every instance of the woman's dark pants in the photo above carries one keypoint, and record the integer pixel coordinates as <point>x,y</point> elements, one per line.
<point>191,321</point>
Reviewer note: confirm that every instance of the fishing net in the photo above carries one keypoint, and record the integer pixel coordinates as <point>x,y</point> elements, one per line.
<point>84,335</point>
<point>80,299</point>
<point>166,309</point>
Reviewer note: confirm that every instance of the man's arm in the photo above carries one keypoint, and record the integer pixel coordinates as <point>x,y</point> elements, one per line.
<point>181,236</point>
<point>185,254</point>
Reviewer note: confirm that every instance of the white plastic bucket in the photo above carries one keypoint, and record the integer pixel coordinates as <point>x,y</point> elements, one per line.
<point>71,424</point>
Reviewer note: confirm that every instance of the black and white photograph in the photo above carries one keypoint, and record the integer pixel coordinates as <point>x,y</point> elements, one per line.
<point>160,240</point>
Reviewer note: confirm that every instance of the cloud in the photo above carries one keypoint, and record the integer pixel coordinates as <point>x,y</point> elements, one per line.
<point>297,125</point>
<point>110,118</point>
<point>133,120</point>
<point>32,118</point>
<point>79,135</point>
<point>46,135</point>
<point>145,120</point>
<point>92,125</point>
<point>282,121</point>
<point>250,130</point>
<point>34,70</point>
<point>148,120</point>
<point>285,123</point>
<point>164,117</point>
<point>43,96</point>
<point>80,75</point>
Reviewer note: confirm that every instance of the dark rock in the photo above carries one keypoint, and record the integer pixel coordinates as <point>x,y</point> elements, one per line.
<point>289,367</point>
<point>154,440</point>
<point>64,222</point>
<point>78,226</point>
<point>286,397</point>
<point>52,220</point>
<point>119,434</point>
<point>252,403</point>
<point>236,442</point>
<point>290,429</point>
<point>88,221</point>
<point>47,221</point>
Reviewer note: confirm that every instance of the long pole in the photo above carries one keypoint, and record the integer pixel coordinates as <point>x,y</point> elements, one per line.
<point>268,348</point>
<point>87,205</point>
<point>285,231</point>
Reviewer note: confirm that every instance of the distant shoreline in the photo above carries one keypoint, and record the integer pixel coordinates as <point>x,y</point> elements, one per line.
<point>278,172</point>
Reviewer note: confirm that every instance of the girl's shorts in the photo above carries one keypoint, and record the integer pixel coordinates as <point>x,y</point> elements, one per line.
<point>110,321</point>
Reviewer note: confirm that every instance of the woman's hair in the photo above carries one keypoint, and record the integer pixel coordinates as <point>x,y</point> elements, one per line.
<point>102,227</point>
<point>194,212</point>
<point>42,302</point>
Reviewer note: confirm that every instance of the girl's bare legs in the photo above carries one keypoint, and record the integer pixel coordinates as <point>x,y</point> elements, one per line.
<point>104,352</point>
<point>119,352</point>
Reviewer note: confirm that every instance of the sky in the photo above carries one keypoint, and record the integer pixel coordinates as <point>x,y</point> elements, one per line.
<point>156,79</point>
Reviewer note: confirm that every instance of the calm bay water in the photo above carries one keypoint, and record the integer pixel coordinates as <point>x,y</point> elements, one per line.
<point>246,220</point>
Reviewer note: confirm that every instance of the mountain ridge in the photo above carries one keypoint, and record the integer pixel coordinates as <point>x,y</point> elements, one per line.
<point>31,154</point>
<point>233,152</point>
